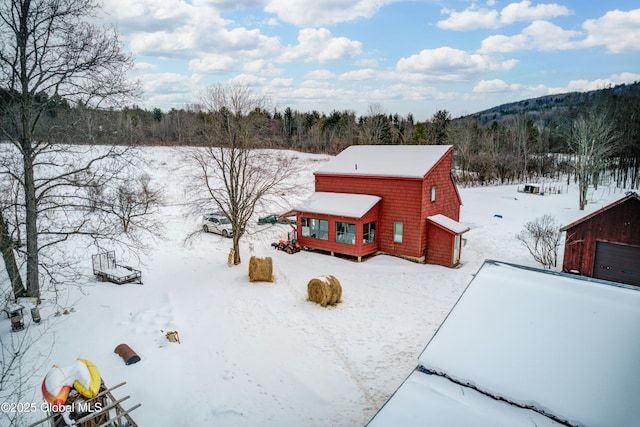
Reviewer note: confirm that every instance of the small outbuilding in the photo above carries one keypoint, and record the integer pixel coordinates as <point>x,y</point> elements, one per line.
<point>606,243</point>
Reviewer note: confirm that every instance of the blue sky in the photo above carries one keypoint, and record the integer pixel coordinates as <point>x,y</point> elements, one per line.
<point>396,56</point>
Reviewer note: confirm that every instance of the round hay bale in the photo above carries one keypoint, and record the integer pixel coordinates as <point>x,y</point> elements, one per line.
<point>260,269</point>
<point>318,291</point>
<point>324,290</point>
<point>336,290</point>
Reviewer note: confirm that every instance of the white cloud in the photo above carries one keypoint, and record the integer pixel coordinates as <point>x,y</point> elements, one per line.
<point>490,86</point>
<point>320,45</point>
<point>587,85</point>
<point>316,84</point>
<point>144,66</point>
<point>320,75</point>
<point>247,80</point>
<point>523,11</point>
<point>617,30</point>
<point>358,75</point>
<point>469,19</point>
<point>281,82</point>
<point>177,29</point>
<point>446,63</point>
<point>261,66</point>
<point>229,4</point>
<point>367,62</point>
<point>496,87</point>
<point>316,13</point>
<point>147,15</point>
<point>475,18</point>
<point>212,63</point>
<point>169,82</point>
<point>625,77</point>
<point>164,44</point>
<point>540,35</point>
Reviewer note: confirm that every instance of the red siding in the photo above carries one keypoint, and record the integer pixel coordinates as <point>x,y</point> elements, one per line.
<point>440,249</point>
<point>619,224</point>
<point>359,249</point>
<point>406,200</point>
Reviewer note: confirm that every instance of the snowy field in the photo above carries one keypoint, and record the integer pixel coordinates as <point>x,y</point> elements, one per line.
<point>259,354</point>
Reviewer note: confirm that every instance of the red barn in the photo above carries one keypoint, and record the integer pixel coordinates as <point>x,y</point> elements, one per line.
<point>394,199</point>
<point>606,243</point>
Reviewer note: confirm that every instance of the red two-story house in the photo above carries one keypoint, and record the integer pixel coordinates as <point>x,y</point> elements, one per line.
<point>393,199</point>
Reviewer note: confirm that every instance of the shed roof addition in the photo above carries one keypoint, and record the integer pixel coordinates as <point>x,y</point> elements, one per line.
<point>445,222</point>
<point>403,161</point>
<point>338,204</point>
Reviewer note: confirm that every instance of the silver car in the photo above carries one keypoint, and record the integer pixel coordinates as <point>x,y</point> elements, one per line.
<point>216,223</point>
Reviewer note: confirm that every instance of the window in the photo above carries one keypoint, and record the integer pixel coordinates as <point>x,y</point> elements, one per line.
<point>315,228</point>
<point>345,233</point>
<point>397,232</point>
<point>369,232</point>
<point>433,193</point>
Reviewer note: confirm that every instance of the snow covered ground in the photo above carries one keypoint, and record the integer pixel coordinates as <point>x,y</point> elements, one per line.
<point>259,354</point>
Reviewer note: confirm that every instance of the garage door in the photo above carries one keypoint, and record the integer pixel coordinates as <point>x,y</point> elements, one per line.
<point>619,263</point>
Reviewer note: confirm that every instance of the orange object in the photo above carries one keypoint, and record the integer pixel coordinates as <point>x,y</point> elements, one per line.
<point>57,401</point>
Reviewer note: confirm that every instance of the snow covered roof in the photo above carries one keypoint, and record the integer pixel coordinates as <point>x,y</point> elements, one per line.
<point>338,204</point>
<point>405,161</point>
<point>448,223</point>
<point>631,195</point>
<point>432,400</point>
<point>562,345</point>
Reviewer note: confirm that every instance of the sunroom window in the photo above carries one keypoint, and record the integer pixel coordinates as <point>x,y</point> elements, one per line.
<point>369,232</point>
<point>346,233</point>
<point>315,228</point>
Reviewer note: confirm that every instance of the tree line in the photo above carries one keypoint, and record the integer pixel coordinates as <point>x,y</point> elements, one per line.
<point>514,146</point>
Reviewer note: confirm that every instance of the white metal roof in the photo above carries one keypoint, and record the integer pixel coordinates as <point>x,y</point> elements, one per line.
<point>338,204</point>
<point>448,223</point>
<point>434,401</point>
<point>561,345</point>
<point>404,161</point>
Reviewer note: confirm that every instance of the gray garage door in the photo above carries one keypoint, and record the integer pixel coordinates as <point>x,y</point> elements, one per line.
<point>619,263</point>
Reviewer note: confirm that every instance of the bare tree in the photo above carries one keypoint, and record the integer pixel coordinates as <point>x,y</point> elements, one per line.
<point>22,358</point>
<point>133,201</point>
<point>464,135</point>
<point>50,56</point>
<point>519,128</point>
<point>373,126</point>
<point>592,138</point>
<point>542,238</point>
<point>233,175</point>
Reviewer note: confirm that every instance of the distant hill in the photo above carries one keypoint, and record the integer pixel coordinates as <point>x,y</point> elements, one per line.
<point>545,108</point>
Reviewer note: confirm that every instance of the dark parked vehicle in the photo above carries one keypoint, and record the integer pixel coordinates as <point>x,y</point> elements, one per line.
<point>273,219</point>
